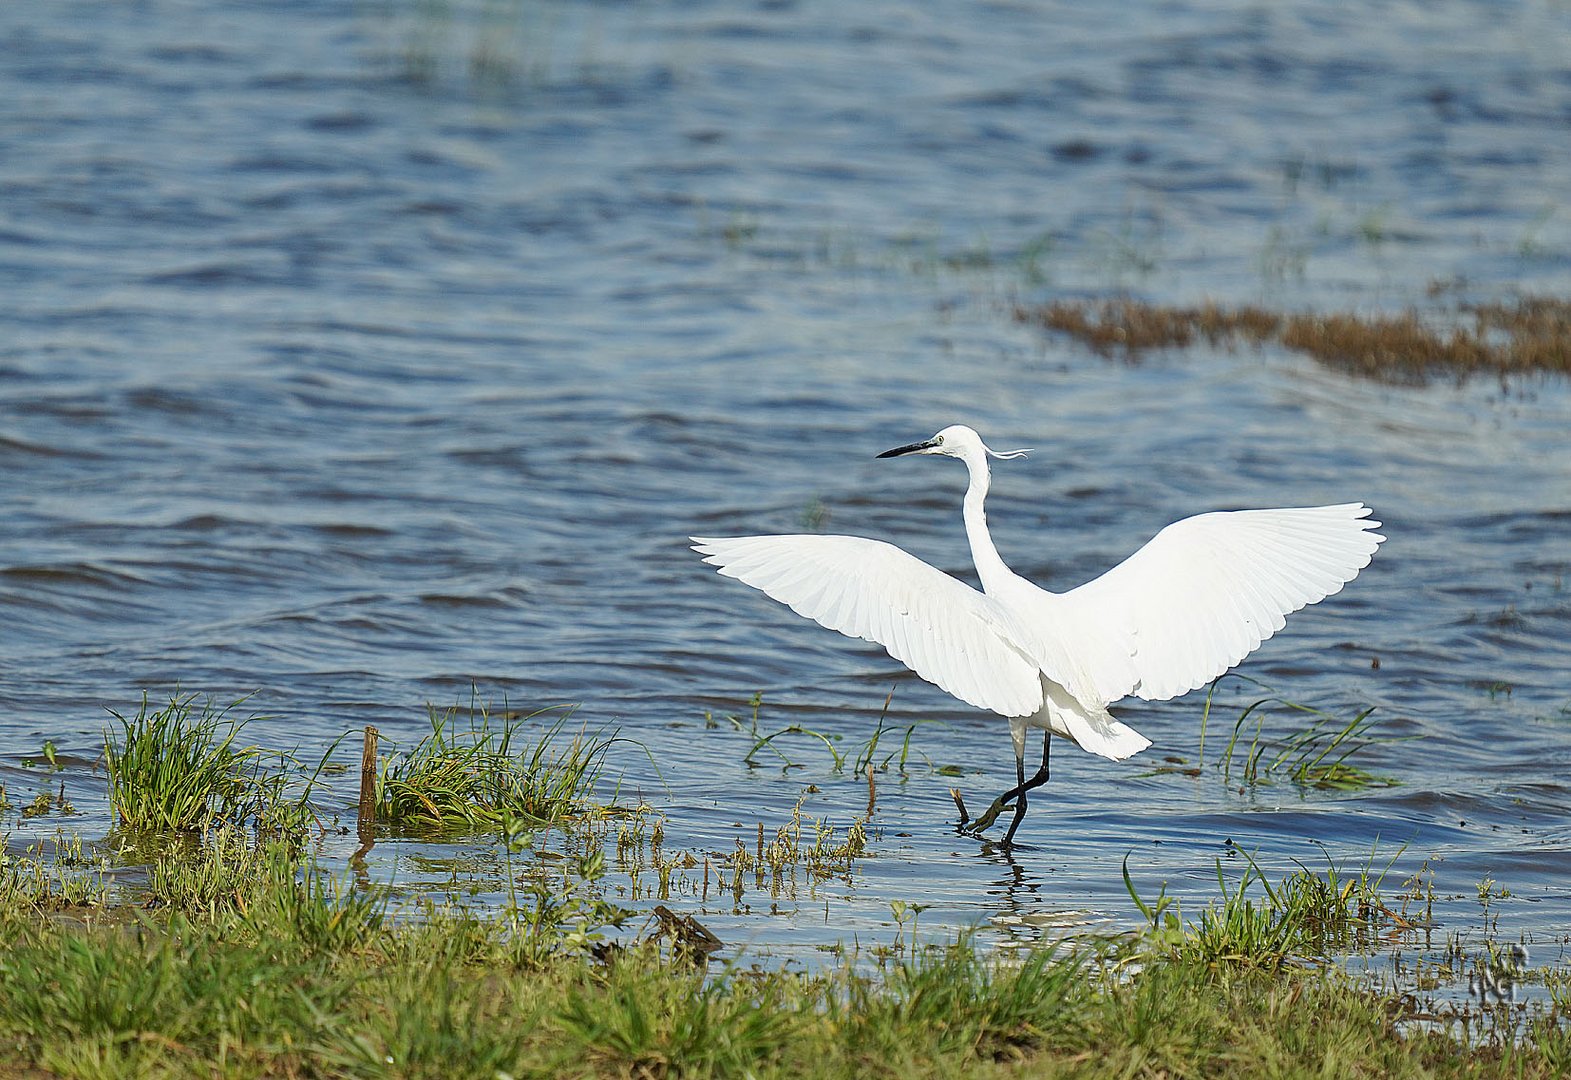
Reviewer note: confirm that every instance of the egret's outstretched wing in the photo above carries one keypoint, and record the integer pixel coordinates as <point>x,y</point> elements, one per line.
<point>1204,593</point>
<point>939,627</point>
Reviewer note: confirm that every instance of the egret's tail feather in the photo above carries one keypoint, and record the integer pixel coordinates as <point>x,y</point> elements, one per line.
<point>1108,737</point>
<point>1093,730</point>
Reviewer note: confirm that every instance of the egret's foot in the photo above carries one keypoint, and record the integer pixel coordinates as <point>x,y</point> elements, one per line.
<point>990,815</point>
<point>1015,797</point>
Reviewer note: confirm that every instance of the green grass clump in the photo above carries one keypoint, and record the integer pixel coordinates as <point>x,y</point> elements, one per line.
<point>644,1018</point>
<point>485,777</point>
<point>1303,919</point>
<point>971,1007</point>
<point>181,769</point>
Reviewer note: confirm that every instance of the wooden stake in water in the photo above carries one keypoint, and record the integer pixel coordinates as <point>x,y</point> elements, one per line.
<point>368,780</point>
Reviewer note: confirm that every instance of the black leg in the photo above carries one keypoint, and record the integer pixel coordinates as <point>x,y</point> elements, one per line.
<point>1016,794</point>
<point>1036,781</point>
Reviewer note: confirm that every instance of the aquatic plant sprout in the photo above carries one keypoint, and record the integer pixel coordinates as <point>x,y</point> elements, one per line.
<point>1197,599</point>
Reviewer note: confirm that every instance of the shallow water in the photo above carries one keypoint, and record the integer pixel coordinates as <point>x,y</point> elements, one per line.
<point>357,359</point>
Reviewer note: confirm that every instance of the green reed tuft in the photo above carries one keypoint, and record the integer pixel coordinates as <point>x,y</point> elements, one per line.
<point>1315,756</point>
<point>178,767</point>
<point>1306,916</point>
<point>485,775</point>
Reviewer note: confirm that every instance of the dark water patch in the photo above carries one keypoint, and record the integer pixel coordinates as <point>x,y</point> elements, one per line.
<point>220,274</point>
<point>1075,150</point>
<point>13,236</point>
<point>70,574</point>
<point>493,601</point>
<point>324,83</point>
<point>351,530</point>
<point>434,209</point>
<point>164,399</point>
<point>342,122</point>
<point>11,447</point>
<point>194,52</point>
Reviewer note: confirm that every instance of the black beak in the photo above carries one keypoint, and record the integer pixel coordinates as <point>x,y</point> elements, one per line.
<point>913,448</point>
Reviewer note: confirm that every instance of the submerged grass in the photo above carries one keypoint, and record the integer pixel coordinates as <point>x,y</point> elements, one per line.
<point>54,874</point>
<point>871,754</point>
<point>802,842</point>
<point>1317,755</point>
<point>256,887</point>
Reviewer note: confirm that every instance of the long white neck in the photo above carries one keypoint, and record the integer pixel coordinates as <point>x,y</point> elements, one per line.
<point>989,567</point>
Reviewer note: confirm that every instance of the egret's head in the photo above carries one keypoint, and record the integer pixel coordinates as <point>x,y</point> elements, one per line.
<point>957,440</point>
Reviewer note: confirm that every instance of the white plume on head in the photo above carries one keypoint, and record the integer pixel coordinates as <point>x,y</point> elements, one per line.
<point>1007,455</point>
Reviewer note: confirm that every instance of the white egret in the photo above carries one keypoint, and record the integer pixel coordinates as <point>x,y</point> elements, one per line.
<point>1194,601</point>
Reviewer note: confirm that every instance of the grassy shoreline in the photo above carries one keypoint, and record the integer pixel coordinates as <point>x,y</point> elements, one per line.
<point>305,983</point>
<point>236,954</point>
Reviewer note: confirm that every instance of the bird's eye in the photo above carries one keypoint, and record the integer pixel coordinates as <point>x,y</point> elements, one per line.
<point>938,440</point>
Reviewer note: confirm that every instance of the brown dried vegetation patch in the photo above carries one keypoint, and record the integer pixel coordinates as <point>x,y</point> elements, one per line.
<point>1526,335</point>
